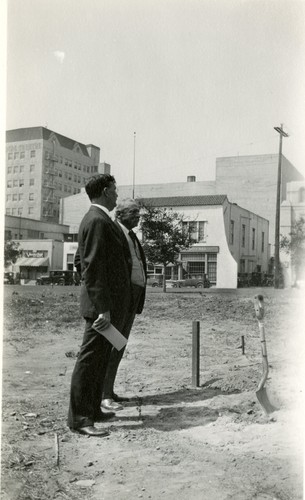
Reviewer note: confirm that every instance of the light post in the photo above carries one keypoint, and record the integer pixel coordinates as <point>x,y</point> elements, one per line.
<point>134,165</point>
<point>277,211</point>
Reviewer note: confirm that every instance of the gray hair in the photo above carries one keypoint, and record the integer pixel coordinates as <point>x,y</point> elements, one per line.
<point>124,206</point>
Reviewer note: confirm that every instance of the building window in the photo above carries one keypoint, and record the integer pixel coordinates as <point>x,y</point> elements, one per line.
<point>75,178</point>
<point>22,155</point>
<point>59,173</point>
<point>20,196</point>
<point>253,239</point>
<point>16,155</point>
<point>16,169</point>
<point>78,179</point>
<point>13,211</point>
<point>302,195</point>
<point>9,170</point>
<point>21,182</point>
<point>242,265</point>
<point>70,177</point>
<point>9,184</point>
<point>243,235</point>
<point>65,188</point>
<point>33,154</point>
<point>8,211</point>
<point>263,241</point>
<point>231,232</point>
<point>31,196</point>
<point>32,182</point>
<point>31,210</point>
<point>15,183</point>
<point>15,197</point>
<point>21,169</point>
<point>8,197</point>
<point>10,156</point>
<point>196,229</point>
<point>32,168</point>
<point>20,213</point>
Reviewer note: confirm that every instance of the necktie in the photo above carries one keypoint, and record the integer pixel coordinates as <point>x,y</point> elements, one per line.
<point>132,236</point>
<point>135,243</point>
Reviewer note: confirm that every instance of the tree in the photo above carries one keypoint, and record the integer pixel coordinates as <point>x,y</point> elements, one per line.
<point>294,245</point>
<point>163,236</point>
<point>11,252</point>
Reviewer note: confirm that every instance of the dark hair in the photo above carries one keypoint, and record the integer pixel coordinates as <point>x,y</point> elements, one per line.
<point>96,184</point>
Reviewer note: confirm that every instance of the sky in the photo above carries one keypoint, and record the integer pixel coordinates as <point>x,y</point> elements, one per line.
<point>194,79</point>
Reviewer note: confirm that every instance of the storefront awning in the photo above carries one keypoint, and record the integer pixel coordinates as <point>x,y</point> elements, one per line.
<point>32,262</point>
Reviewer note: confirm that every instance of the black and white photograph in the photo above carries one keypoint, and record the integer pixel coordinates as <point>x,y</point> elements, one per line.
<point>153,262</point>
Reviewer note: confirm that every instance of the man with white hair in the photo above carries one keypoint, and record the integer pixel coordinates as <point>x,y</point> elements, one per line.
<point>127,217</point>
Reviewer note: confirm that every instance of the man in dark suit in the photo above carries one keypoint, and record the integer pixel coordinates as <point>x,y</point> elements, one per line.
<point>127,217</point>
<point>105,298</point>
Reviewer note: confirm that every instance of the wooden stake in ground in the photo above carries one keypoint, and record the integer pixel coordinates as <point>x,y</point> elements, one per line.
<point>196,354</point>
<point>56,448</point>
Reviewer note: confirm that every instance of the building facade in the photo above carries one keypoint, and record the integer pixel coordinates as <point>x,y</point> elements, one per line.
<point>249,181</point>
<point>41,244</point>
<point>42,167</point>
<point>229,239</point>
<point>37,257</point>
<point>292,210</point>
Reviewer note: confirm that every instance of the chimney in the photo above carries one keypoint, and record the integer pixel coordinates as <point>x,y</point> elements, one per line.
<point>191,178</point>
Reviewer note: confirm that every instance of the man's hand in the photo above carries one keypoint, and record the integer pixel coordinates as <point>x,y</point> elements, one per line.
<point>103,321</point>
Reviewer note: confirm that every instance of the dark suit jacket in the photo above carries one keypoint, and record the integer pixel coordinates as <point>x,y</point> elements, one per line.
<point>105,272</point>
<point>129,262</point>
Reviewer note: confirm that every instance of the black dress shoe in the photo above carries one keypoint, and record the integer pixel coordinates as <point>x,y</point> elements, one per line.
<point>91,431</point>
<point>101,417</point>
<point>119,399</point>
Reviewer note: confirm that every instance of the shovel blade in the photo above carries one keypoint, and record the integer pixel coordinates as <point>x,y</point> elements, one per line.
<point>262,397</point>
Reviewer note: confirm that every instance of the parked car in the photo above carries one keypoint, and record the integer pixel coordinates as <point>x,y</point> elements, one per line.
<point>195,281</point>
<point>61,278</point>
<point>8,278</point>
<point>154,280</point>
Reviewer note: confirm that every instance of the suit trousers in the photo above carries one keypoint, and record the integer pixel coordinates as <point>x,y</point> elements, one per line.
<point>116,356</point>
<point>89,373</point>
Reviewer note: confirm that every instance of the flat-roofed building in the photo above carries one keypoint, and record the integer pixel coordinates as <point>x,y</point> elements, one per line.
<point>42,167</point>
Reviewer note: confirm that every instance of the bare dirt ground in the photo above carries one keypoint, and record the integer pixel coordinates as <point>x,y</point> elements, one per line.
<point>173,441</point>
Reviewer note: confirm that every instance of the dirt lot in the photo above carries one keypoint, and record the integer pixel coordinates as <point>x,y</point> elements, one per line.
<point>173,441</point>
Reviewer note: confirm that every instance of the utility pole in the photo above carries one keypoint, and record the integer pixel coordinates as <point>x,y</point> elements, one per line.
<point>278,210</point>
<point>134,164</point>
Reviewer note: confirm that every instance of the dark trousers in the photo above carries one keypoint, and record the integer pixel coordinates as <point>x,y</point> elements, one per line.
<point>115,355</point>
<point>89,373</point>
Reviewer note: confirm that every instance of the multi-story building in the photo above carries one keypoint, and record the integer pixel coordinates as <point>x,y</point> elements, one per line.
<point>249,181</point>
<point>42,167</point>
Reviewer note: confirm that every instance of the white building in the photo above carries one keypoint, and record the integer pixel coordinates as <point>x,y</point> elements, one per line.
<point>229,239</point>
